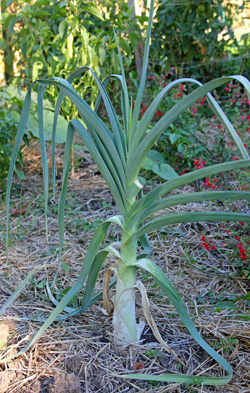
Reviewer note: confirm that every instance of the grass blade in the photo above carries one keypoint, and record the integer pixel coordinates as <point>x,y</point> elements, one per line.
<point>19,136</point>
<point>40,95</point>
<point>17,291</point>
<point>63,195</point>
<point>92,277</point>
<point>87,264</point>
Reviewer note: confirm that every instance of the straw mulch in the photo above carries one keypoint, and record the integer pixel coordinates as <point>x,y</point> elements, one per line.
<point>78,354</point>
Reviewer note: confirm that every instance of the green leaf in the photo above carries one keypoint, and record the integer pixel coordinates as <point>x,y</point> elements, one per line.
<point>226,305</point>
<point>65,267</point>
<point>180,148</point>
<point>178,218</point>
<point>163,170</point>
<point>108,171</point>
<point>79,147</point>
<point>61,207</point>
<point>140,146</point>
<point>15,116</point>
<point>41,13</point>
<point>182,199</point>
<point>149,165</point>
<point>87,264</point>
<point>115,61</point>
<point>41,284</point>
<point>17,291</point>
<point>92,278</point>
<point>36,66</point>
<point>2,44</point>
<point>93,9</point>
<point>63,29</point>
<point>155,156</point>
<point>145,243</point>
<point>124,45</point>
<point>40,97</point>
<point>143,77</point>
<point>19,136</point>
<point>102,55</point>
<point>152,161</point>
<point>20,174</point>
<point>12,22</point>
<point>61,129</point>
<point>172,184</point>
<point>166,172</point>
<point>174,138</point>
<point>133,38</point>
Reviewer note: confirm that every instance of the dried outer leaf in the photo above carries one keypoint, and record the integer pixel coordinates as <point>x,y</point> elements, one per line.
<point>108,302</point>
<point>151,322</point>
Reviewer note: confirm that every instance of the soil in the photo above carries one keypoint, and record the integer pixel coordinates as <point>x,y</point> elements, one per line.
<point>78,354</point>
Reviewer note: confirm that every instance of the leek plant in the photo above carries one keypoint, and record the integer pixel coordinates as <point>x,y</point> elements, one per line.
<point>119,151</point>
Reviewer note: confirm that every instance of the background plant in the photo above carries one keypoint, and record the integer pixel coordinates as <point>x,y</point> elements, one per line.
<point>206,41</point>
<point>10,106</point>
<point>53,39</point>
<point>119,152</point>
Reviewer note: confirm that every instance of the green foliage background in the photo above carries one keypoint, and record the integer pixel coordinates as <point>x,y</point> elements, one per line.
<point>53,38</point>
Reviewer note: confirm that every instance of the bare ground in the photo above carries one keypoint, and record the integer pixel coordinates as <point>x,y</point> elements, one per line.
<point>78,354</point>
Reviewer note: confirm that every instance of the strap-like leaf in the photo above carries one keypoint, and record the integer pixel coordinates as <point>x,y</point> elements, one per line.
<point>76,311</point>
<point>17,291</point>
<point>167,287</point>
<point>113,183</point>
<point>86,266</point>
<point>93,274</point>
<point>178,218</point>
<point>123,106</point>
<point>126,110</point>
<point>62,200</point>
<point>142,126</point>
<point>118,135</point>
<point>92,119</point>
<point>92,277</point>
<point>143,77</point>
<point>19,136</point>
<point>184,199</point>
<point>182,180</point>
<point>149,114</point>
<point>135,160</point>
<point>40,95</point>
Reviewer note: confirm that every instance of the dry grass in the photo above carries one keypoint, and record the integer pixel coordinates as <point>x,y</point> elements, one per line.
<point>78,354</point>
